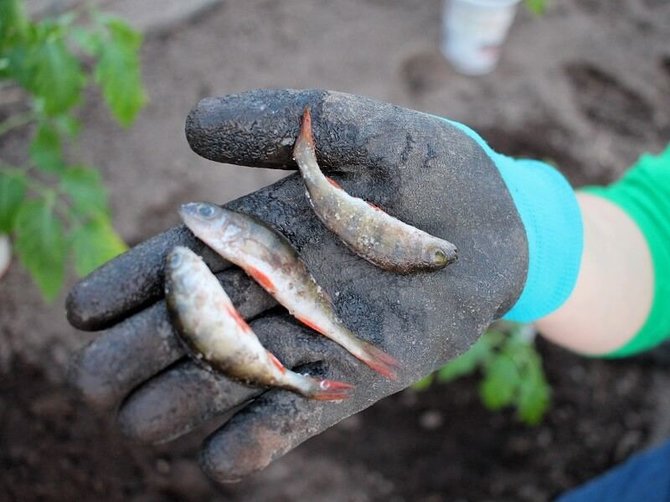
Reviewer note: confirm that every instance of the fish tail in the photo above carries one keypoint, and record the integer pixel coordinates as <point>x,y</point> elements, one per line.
<point>332,390</point>
<point>374,357</point>
<point>320,390</point>
<point>378,360</point>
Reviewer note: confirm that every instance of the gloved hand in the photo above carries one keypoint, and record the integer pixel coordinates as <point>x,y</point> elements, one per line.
<point>417,167</point>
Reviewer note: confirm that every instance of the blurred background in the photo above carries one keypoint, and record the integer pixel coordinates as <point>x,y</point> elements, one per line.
<point>585,86</point>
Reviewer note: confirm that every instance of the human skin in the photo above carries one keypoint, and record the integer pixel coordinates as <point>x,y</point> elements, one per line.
<point>614,290</point>
<point>409,163</point>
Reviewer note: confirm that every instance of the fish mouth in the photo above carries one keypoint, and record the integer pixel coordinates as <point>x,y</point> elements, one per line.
<point>441,256</point>
<point>449,255</point>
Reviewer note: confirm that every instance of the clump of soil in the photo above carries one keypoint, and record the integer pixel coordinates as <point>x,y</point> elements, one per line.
<point>53,447</point>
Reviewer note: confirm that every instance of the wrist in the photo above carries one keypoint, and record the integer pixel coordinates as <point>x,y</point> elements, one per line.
<point>553,223</point>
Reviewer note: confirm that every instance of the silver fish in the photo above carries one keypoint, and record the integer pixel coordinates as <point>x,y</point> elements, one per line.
<point>367,230</point>
<point>214,331</point>
<point>272,262</point>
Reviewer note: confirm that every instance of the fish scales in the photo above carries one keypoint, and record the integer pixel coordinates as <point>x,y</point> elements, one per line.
<point>367,230</point>
<point>271,261</point>
<point>215,333</point>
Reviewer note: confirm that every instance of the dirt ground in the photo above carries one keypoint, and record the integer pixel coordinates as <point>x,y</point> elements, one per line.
<point>586,86</point>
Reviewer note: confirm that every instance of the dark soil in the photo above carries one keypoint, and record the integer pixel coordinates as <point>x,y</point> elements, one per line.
<point>586,86</point>
<point>440,444</point>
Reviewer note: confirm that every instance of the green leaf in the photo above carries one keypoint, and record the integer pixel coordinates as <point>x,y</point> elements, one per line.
<point>13,21</point>
<point>12,192</point>
<point>67,19</point>
<point>58,77</point>
<point>534,393</point>
<point>68,125</point>
<point>493,338</point>
<point>533,400</point>
<point>537,7</point>
<point>40,245</point>
<point>465,364</point>
<point>88,41</point>
<point>94,244</point>
<point>45,148</point>
<point>501,379</point>
<point>118,71</point>
<point>461,366</point>
<point>424,383</point>
<point>15,63</point>
<point>84,187</point>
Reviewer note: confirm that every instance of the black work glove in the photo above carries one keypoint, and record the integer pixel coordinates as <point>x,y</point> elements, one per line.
<point>416,167</point>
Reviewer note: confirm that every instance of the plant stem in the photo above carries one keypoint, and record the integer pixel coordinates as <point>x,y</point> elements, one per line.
<point>15,121</point>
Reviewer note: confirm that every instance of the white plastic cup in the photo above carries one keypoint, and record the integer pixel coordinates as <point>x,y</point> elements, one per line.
<point>473,32</point>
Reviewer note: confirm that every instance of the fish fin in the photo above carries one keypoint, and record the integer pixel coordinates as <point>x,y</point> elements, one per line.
<point>239,320</point>
<point>306,139</point>
<point>374,357</point>
<point>331,390</point>
<point>276,362</point>
<point>333,182</point>
<point>380,361</point>
<point>310,324</point>
<point>262,279</point>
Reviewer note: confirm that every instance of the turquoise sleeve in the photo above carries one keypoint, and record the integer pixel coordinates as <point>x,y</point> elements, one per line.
<point>551,217</point>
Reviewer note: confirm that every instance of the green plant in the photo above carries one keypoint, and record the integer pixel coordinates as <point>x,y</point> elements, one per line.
<point>511,369</point>
<point>54,209</point>
<point>537,7</point>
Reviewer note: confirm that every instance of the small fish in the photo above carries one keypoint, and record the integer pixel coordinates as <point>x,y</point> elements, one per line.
<point>271,261</point>
<point>367,230</point>
<point>214,331</point>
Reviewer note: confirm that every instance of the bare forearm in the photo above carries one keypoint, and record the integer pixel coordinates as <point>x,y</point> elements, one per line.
<point>614,290</point>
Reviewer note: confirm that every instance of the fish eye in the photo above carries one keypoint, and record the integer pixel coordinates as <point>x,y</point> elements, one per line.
<point>175,260</point>
<point>206,211</point>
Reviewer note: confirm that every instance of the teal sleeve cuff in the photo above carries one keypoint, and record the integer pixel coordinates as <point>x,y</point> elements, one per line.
<point>553,222</point>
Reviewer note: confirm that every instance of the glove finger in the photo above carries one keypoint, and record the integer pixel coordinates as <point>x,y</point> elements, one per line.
<point>271,426</point>
<point>258,128</point>
<point>142,345</point>
<point>179,400</point>
<point>186,395</point>
<point>255,128</point>
<point>131,281</point>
